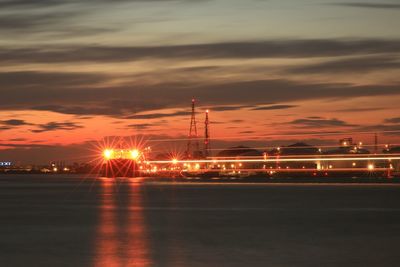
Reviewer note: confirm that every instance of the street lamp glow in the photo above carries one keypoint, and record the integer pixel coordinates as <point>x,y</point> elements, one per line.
<point>108,153</point>
<point>135,154</point>
<point>371,167</point>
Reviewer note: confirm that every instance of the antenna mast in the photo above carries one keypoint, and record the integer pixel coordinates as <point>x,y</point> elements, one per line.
<point>193,142</point>
<point>206,136</point>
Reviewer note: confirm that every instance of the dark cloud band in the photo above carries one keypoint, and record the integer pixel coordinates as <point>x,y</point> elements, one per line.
<point>238,50</point>
<point>81,94</point>
<point>369,5</point>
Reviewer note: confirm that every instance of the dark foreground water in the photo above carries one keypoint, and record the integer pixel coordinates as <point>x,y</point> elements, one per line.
<point>71,221</point>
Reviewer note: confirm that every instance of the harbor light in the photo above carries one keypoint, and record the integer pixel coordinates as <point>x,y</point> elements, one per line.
<point>371,167</point>
<point>108,153</point>
<point>135,154</point>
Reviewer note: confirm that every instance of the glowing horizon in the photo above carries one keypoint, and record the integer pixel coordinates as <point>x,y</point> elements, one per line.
<point>268,72</point>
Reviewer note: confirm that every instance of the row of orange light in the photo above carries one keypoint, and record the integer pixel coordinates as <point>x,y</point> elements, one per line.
<point>374,158</point>
<point>121,154</point>
<point>135,154</point>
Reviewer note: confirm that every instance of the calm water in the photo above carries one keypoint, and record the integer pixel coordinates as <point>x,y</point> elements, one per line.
<point>65,221</point>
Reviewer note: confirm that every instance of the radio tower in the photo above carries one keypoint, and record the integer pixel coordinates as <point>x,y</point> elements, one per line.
<point>193,142</point>
<point>206,136</point>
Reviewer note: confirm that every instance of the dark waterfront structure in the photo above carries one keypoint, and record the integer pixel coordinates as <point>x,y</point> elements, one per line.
<point>389,149</point>
<point>295,149</point>
<point>239,152</point>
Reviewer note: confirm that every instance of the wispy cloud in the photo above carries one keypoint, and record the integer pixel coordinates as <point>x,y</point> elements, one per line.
<point>238,50</point>
<point>358,109</point>
<point>14,122</point>
<point>386,129</point>
<point>274,107</point>
<point>313,122</point>
<point>359,64</point>
<point>54,126</point>
<point>140,126</point>
<point>159,115</point>
<point>23,146</point>
<point>82,94</point>
<point>393,120</point>
<point>230,108</point>
<point>50,126</point>
<point>369,5</point>
<point>47,3</point>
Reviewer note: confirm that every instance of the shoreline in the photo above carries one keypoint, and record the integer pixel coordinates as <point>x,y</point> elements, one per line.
<point>212,180</point>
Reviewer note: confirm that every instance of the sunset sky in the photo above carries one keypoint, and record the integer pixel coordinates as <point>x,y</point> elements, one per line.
<point>73,72</point>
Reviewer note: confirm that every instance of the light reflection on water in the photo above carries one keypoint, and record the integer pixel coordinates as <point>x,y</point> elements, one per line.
<point>56,221</point>
<point>121,237</point>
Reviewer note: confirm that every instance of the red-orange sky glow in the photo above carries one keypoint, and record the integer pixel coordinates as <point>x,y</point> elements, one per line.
<point>270,72</point>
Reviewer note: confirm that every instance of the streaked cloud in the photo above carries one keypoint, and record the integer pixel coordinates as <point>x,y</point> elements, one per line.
<point>54,126</point>
<point>274,107</point>
<point>320,122</point>
<point>359,64</point>
<point>360,109</point>
<point>24,146</point>
<point>385,129</point>
<point>14,122</point>
<point>369,5</point>
<point>230,108</point>
<point>46,3</point>
<point>159,115</point>
<point>84,94</point>
<point>393,120</point>
<point>224,50</point>
<point>140,126</point>
<point>39,128</point>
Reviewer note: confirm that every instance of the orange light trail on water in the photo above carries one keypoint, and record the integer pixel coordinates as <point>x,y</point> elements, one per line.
<point>305,156</point>
<point>275,170</point>
<point>260,160</point>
